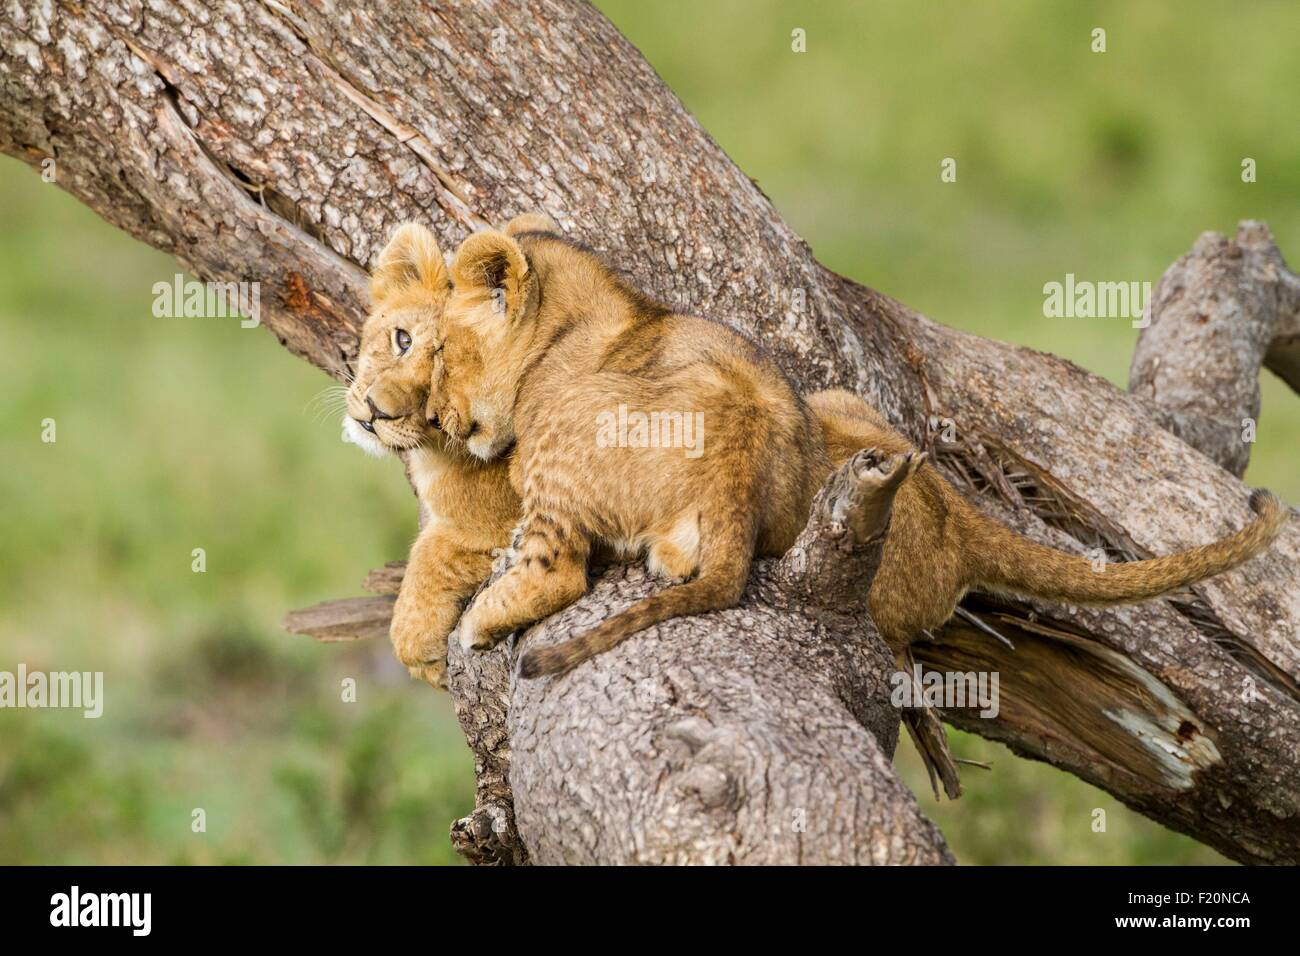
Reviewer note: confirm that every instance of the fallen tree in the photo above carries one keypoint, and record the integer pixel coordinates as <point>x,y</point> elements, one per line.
<point>275,143</point>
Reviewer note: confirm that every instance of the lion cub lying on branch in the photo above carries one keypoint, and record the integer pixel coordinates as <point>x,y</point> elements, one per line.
<point>539,342</point>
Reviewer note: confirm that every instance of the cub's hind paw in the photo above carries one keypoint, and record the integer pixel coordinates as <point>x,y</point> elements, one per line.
<point>873,466</point>
<point>861,493</point>
<point>865,460</point>
<point>474,634</point>
<point>466,635</point>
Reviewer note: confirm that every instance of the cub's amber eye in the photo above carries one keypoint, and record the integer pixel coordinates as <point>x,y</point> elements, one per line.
<point>401,341</point>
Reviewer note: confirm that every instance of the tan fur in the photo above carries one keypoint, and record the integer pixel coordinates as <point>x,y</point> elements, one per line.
<point>940,546</point>
<point>549,339</point>
<point>539,339</point>
<point>468,505</point>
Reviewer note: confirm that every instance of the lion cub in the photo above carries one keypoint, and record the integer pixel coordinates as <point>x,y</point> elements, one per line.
<point>542,348</point>
<point>550,347</point>
<point>467,505</point>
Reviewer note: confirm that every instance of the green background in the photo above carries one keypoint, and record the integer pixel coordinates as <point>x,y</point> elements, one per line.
<point>189,433</point>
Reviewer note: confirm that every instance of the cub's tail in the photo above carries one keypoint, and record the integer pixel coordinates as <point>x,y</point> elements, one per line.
<point>1019,566</point>
<point>719,585</point>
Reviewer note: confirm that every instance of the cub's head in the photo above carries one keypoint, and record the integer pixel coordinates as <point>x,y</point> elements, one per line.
<point>387,402</point>
<point>486,338</point>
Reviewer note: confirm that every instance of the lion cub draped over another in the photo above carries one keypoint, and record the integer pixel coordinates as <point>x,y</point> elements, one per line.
<point>468,507</point>
<point>541,346</point>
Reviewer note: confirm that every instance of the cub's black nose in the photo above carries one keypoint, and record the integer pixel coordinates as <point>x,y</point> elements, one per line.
<point>376,411</point>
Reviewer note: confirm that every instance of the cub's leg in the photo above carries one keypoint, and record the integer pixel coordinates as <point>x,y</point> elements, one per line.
<point>441,573</point>
<point>550,574</point>
<point>726,549</point>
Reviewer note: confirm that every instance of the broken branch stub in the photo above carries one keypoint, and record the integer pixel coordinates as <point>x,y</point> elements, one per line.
<point>1220,313</point>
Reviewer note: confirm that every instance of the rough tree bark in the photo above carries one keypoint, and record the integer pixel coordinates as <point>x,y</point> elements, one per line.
<point>1219,313</point>
<point>282,141</point>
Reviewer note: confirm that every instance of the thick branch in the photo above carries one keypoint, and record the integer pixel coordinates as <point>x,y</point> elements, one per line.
<point>762,734</point>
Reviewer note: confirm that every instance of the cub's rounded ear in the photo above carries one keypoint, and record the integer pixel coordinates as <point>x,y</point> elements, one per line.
<point>411,258</point>
<point>531,222</point>
<point>491,261</point>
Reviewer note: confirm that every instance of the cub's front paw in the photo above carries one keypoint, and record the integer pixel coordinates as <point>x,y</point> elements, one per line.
<point>423,649</point>
<point>433,674</point>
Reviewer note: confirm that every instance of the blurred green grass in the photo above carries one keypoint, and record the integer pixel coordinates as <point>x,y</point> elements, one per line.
<point>176,434</point>
<point>188,433</point>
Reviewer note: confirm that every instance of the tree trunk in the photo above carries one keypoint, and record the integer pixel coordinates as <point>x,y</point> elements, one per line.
<point>282,142</point>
